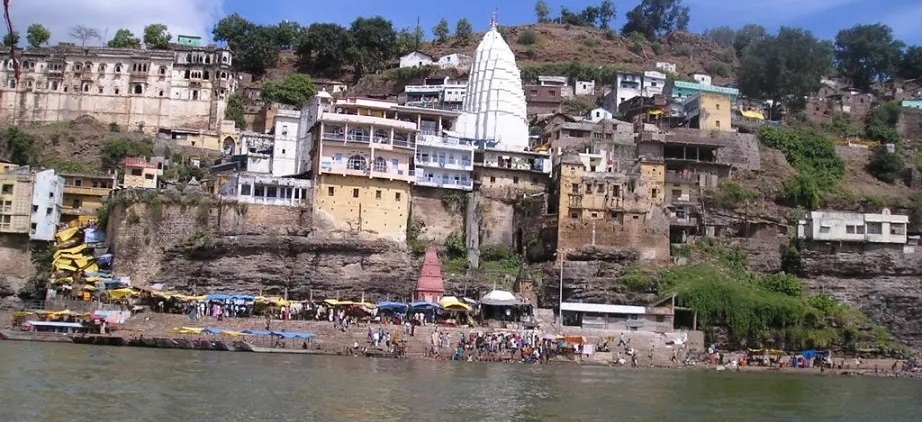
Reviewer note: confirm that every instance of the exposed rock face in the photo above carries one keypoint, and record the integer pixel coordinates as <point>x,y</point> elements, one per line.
<point>590,275</point>
<point>884,285</point>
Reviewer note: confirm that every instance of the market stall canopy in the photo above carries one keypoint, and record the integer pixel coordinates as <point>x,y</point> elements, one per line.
<point>452,303</point>
<point>187,330</point>
<point>393,306</point>
<point>258,332</point>
<point>501,298</point>
<point>55,324</point>
<point>121,293</point>
<point>221,297</point>
<point>289,334</point>
<point>334,302</point>
<point>424,304</point>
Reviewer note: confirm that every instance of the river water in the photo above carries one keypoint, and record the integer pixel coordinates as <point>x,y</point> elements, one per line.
<point>61,382</point>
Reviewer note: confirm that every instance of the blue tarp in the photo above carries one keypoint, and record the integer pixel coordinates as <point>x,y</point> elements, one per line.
<point>808,354</point>
<point>289,334</point>
<point>423,304</point>
<point>91,235</point>
<point>212,330</point>
<point>221,297</point>
<point>258,332</point>
<point>394,306</point>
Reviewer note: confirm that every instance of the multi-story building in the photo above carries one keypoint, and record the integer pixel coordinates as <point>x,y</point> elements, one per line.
<point>683,90</point>
<point>186,86</point>
<point>630,85</point>
<point>443,160</point>
<point>702,78</point>
<point>666,67</point>
<point>544,98</point>
<point>285,154</point>
<point>259,188</point>
<point>362,155</point>
<point>141,173</point>
<point>441,93</point>
<point>30,202</point>
<point>653,83</point>
<point>709,111</point>
<point>224,139</point>
<point>84,195</point>
<point>867,230</point>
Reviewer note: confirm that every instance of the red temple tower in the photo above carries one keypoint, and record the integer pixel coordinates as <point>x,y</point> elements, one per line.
<point>430,287</point>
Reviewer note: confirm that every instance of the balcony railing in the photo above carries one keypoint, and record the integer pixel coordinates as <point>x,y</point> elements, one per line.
<point>445,183</point>
<point>451,164</point>
<point>433,139</point>
<point>367,139</point>
<point>86,190</point>
<point>402,174</point>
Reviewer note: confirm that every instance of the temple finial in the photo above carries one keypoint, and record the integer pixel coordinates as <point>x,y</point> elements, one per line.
<point>493,19</point>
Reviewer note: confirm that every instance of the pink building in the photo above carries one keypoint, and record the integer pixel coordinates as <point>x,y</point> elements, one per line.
<point>430,287</point>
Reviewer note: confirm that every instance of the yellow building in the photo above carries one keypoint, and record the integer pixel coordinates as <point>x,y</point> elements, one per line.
<point>715,112</point>
<point>140,173</point>
<point>15,200</point>
<point>84,195</point>
<point>6,166</point>
<point>225,139</point>
<point>362,156</point>
<point>653,180</point>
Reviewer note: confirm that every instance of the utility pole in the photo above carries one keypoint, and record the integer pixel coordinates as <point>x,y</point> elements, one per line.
<point>416,34</point>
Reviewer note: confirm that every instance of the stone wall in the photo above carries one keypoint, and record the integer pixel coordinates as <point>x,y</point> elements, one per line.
<point>434,220</point>
<point>647,233</point>
<point>910,124</point>
<point>193,244</point>
<point>15,265</point>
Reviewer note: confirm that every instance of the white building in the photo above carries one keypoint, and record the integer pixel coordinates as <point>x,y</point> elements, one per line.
<point>584,88</point>
<point>702,79</point>
<point>441,93</point>
<point>252,188</point>
<point>653,83</point>
<point>666,67</point>
<point>285,156</point>
<point>599,114</point>
<point>441,161</point>
<point>626,86</point>
<point>454,60</point>
<point>834,226</point>
<point>544,80</point>
<point>255,152</point>
<point>415,59</point>
<point>47,199</point>
<point>494,106</point>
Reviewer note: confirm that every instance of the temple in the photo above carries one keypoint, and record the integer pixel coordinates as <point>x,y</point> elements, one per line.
<point>494,107</point>
<point>430,287</point>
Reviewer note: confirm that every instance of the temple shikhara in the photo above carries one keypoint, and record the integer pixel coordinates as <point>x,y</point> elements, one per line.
<point>430,287</point>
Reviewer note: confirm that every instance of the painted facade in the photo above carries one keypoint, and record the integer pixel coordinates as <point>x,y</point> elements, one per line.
<point>184,87</point>
<point>30,202</point>
<point>16,200</point>
<point>254,188</point>
<point>834,226</point>
<point>683,89</point>
<point>84,194</point>
<point>225,139</point>
<point>415,59</point>
<point>710,111</point>
<point>47,197</point>
<point>141,173</point>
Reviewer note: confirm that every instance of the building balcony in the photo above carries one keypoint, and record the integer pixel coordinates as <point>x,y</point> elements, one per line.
<point>435,105</point>
<point>281,202</point>
<point>377,141</point>
<point>682,178</point>
<point>434,140</point>
<point>65,210</point>
<point>84,190</point>
<point>461,165</point>
<point>683,221</point>
<point>327,167</point>
<point>438,182</point>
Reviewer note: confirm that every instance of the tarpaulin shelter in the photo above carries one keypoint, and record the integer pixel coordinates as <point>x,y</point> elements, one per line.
<point>393,306</point>
<point>452,303</point>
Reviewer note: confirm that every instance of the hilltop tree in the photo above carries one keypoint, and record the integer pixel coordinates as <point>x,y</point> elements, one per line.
<point>254,46</point>
<point>722,35</point>
<point>324,48</point>
<point>296,89</point>
<point>441,31</point>
<point>124,39</point>
<point>748,35</point>
<point>657,18</point>
<point>463,30</point>
<point>286,34</point>
<point>11,39</point>
<point>406,42</point>
<point>156,36</point>
<point>374,43</point>
<point>37,34</point>
<point>84,34</point>
<point>867,53</point>
<point>607,12</point>
<point>542,12</point>
<point>911,65</point>
<point>785,68</point>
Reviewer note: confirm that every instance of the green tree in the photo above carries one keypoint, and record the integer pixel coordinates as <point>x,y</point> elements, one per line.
<point>867,53</point>
<point>542,12</point>
<point>464,30</point>
<point>911,65</point>
<point>20,146</point>
<point>607,13</point>
<point>235,110</point>
<point>156,36</point>
<point>254,46</point>
<point>286,34</point>
<point>656,18</point>
<point>124,39</point>
<point>324,49</point>
<point>296,89</point>
<point>748,35</point>
<point>37,35</point>
<point>886,166</point>
<point>785,68</point>
<point>722,35</point>
<point>440,31</point>
<point>406,41</point>
<point>11,39</point>
<point>113,152</point>
<point>374,44</point>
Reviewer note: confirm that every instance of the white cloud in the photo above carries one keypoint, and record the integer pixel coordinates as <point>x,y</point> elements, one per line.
<point>775,12</point>
<point>186,17</point>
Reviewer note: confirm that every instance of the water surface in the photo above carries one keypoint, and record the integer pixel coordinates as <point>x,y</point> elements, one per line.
<point>61,382</point>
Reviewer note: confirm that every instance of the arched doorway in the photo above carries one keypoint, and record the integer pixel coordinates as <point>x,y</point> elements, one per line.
<point>228,146</point>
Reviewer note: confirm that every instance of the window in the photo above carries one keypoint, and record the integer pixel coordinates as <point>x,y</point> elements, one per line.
<point>594,215</point>
<point>492,179</point>
<point>575,187</point>
<point>356,162</point>
<point>49,210</point>
<point>135,172</point>
<point>873,228</point>
<point>397,196</point>
<point>588,188</point>
<point>76,203</point>
<point>245,190</point>
<point>100,90</point>
<point>824,229</point>
<point>515,180</point>
<point>860,229</point>
<point>116,91</point>
<point>283,151</point>
<point>897,229</point>
<point>138,89</point>
<point>355,193</point>
<point>195,95</point>
<point>35,208</point>
<point>654,193</point>
<point>849,229</point>
<point>717,123</point>
<point>78,182</point>
<point>149,176</point>
<point>380,165</point>
<point>377,194</point>
<point>574,215</point>
<point>330,191</point>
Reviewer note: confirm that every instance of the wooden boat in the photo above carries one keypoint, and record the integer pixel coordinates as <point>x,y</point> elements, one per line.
<point>35,336</point>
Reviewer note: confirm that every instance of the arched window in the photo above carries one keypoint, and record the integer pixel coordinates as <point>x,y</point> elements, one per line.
<point>118,68</point>
<point>102,68</point>
<point>357,162</point>
<point>380,165</point>
<point>228,145</point>
<point>162,70</point>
